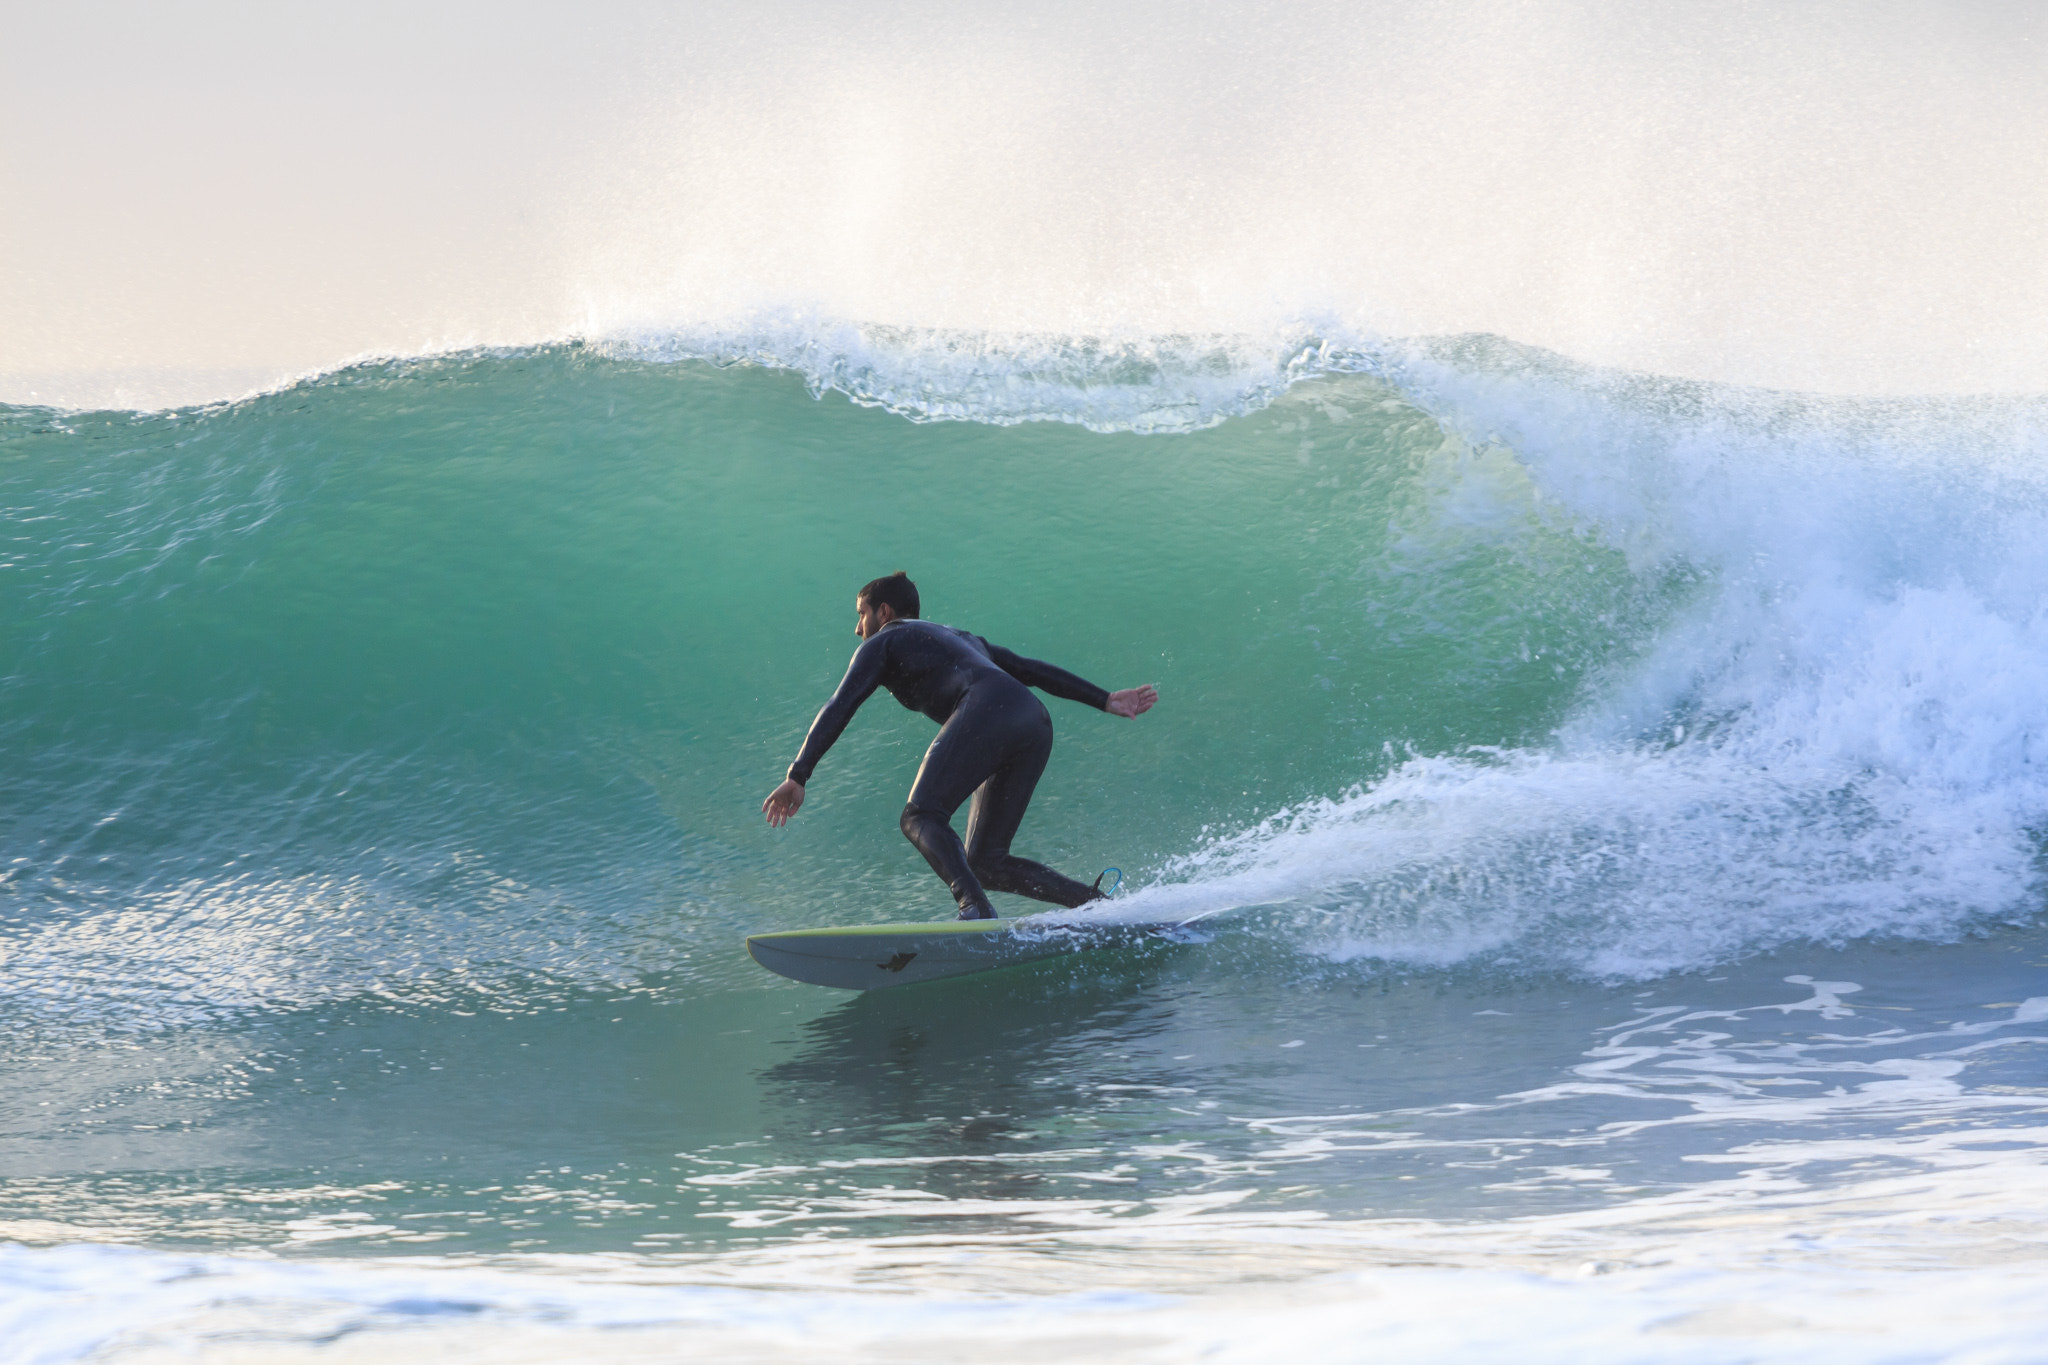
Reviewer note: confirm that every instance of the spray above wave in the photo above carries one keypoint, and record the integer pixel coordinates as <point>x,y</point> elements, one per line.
<point>1821,196</point>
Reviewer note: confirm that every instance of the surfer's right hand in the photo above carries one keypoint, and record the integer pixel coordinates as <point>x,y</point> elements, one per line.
<point>783,801</point>
<point>1132,701</point>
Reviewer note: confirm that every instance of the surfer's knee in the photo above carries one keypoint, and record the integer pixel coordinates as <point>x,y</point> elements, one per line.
<point>914,821</point>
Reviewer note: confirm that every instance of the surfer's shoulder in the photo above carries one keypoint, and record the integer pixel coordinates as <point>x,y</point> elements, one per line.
<point>878,645</point>
<point>962,639</point>
<point>919,629</point>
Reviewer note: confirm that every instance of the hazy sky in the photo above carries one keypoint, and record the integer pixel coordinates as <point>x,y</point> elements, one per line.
<point>198,198</point>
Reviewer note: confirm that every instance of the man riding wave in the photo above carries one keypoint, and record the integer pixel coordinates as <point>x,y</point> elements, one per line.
<point>993,741</point>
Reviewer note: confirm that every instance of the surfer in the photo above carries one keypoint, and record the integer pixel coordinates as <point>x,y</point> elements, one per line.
<point>994,737</point>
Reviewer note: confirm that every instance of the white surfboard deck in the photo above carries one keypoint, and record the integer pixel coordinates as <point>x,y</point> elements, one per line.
<point>871,956</point>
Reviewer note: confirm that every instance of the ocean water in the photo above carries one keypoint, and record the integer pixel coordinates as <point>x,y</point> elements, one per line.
<point>1609,811</point>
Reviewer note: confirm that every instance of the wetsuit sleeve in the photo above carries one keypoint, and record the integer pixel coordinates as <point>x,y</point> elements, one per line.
<point>1048,678</point>
<point>863,676</point>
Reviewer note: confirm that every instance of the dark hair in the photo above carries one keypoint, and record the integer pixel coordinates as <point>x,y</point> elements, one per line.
<point>895,592</point>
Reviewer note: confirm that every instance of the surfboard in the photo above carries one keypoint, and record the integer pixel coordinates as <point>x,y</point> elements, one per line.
<point>873,956</point>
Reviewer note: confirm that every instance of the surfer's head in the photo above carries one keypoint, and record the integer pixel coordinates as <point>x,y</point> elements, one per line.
<point>884,600</point>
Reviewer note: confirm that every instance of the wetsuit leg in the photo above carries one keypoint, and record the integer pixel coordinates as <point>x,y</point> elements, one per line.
<point>992,822</point>
<point>997,740</point>
<point>966,750</point>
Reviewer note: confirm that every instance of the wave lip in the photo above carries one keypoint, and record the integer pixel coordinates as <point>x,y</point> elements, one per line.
<point>1149,385</point>
<point>1136,382</point>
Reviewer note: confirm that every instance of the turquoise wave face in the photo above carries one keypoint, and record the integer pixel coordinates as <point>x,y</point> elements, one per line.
<point>467,676</point>
<point>475,671</point>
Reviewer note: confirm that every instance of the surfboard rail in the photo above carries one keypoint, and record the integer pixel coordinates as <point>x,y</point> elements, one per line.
<point>875,956</point>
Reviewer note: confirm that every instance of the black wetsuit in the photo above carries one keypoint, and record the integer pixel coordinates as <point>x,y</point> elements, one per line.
<point>994,737</point>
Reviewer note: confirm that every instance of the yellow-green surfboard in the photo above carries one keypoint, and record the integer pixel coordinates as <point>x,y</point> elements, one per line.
<point>871,956</point>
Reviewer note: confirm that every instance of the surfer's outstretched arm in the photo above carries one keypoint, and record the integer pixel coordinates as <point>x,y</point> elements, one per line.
<point>863,676</point>
<point>1051,678</point>
<point>1048,678</point>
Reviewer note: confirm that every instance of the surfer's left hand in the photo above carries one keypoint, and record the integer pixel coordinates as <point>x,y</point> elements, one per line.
<point>783,801</point>
<point>1132,701</point>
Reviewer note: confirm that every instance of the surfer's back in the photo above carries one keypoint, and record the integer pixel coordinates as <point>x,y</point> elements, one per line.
<point>929,667</point>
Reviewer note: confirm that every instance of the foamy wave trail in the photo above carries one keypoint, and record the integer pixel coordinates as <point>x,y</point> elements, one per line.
<point>460,675</point>
<point>1835,733</point>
